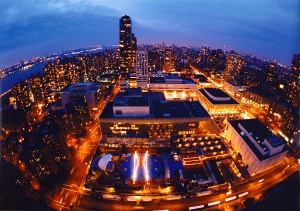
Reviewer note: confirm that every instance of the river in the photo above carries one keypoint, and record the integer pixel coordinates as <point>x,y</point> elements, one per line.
<point>9,81</point>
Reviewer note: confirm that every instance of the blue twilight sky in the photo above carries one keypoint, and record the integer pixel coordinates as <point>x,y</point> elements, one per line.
<point>266,28</point>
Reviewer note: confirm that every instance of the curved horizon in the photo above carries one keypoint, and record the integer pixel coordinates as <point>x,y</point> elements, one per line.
<point>267,29</point>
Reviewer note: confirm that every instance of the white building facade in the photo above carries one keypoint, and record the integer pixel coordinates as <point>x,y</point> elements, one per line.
<point>258,147</point>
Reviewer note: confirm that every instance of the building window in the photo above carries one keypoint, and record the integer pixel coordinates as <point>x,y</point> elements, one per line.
<point>118,112</point>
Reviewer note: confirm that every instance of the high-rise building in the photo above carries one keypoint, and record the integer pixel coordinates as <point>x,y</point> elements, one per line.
<point>271,76</point>
<point>293,94</point>
<point>169,61</point>
<point>23,95</point>
<point>234,65</point>
<point>142,68</point>
<point>141,62</point>
<point>125,44</point>
<point>296,141</point>
<point>250,75</point>
<point>133,48</point>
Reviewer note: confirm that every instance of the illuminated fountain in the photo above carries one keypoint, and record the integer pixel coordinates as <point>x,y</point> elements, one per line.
<point>141,168</point>
<point>139,161</point>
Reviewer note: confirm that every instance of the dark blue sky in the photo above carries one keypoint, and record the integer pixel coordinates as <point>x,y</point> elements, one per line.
<point>266,28</point>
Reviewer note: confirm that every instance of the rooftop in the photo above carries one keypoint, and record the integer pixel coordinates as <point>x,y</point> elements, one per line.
<point>259,132</point>
<point>261,92</point>
<point>81,88</point>
<point>217,93</point>
<point>133,91</point>
<point>131,101</point>
<point>159,107</point>
<point>178,109</point>
<point>170,79</point>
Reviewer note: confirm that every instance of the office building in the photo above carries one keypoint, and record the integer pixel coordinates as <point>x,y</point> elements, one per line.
<point>141,68</point>
<point>125,44</point>
<point>133,48</point>
<point>258,147</point>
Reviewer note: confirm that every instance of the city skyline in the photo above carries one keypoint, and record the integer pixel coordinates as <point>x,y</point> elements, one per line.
<point>122,126</point>
<point>267,29</point>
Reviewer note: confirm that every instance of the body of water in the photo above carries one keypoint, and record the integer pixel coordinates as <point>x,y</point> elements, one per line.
<point>9,81</point>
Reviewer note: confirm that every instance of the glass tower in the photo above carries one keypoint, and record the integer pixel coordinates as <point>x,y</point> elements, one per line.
<point>125,44</point>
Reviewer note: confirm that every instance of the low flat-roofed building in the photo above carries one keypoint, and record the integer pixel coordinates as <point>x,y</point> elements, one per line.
<point>259,148</point>
<point>258,97</point>
<point>88,93</point>
<point>131,106</point>
<point>235,89</point>
<point>150,115</point>
<point>171,82</point>
<point>218,103</point>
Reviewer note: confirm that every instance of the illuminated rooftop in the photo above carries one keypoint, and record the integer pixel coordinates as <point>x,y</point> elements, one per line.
<point>159,108</point>
<point>217,96</point>
<point>259,138</point>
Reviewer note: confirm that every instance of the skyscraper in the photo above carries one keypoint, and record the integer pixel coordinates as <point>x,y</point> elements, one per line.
<point>125,44</point>
<point>234,65</point>
<point>142,68</point>
<point>293,93</point>
<point>296,140</point>
<point>169,61</point>
<point>141,62</point>
<point>271,76</point>
<point>133,48</point>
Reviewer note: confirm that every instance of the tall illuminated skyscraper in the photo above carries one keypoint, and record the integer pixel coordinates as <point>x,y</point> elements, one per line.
<point>133,48</point>
<point>125,44</point>
<point>293,94</point>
